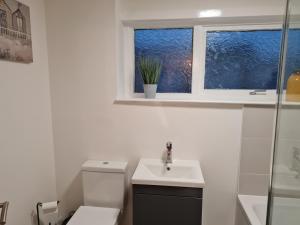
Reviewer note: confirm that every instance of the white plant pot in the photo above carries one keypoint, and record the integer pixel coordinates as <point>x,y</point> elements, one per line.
<point>150,90</point>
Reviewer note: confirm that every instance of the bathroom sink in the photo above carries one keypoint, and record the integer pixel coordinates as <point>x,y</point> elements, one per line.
<point>180,173</point>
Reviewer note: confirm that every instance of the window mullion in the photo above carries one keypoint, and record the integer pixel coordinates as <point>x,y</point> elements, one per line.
<point>199,49</point>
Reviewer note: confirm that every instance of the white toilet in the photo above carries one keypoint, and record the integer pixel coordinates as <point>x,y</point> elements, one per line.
<point>104,184</point>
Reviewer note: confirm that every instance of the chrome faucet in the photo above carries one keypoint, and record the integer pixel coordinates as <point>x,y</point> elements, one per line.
<point>296,161</point>
<point>169,153</point>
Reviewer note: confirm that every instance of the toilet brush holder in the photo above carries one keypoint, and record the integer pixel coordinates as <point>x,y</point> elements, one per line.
<point>52,206</point>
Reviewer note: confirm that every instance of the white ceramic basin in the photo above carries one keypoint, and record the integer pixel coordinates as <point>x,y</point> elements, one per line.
<point>181,173</point>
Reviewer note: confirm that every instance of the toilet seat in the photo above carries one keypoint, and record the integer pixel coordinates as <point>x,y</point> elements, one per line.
<point>89,215</point>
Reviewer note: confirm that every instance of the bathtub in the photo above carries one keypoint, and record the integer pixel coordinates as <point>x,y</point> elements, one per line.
<point>254,209</point>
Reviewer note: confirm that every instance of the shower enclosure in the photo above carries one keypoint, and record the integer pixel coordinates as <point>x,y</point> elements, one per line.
<point>284,194</point>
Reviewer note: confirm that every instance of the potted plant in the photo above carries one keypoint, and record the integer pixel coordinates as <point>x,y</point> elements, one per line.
<point>150,69</point>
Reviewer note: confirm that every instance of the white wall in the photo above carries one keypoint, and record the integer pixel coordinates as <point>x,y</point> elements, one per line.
<point>26,147</point>
<point>172,9</point>
<point>88,125</point>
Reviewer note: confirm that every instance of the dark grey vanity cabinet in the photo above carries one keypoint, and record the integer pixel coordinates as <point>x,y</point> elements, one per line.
<point>160,205</point>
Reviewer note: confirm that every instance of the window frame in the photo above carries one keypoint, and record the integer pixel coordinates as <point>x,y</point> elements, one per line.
<point>3,18</point>
<point>19,21</point>
<point>198,69</point>
<point>192,49</point>
<point>236,92</point>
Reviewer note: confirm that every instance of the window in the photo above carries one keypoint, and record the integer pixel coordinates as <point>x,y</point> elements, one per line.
<point>174,48</point>
<point>20,23</point>
<point>209,62</point>
<point>242,59</point>
<point>3,21</point>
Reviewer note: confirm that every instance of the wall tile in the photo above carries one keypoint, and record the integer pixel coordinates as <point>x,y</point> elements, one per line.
<point>256,155</point>
<point>289,123</point>
<point>258,122</point>
<point>254,184</point>
<point>285,149</point>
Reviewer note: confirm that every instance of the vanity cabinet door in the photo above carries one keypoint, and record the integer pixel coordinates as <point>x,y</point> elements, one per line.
<point>166,210</point>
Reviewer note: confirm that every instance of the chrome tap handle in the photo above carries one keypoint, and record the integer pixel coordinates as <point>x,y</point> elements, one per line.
<point>4,208</point>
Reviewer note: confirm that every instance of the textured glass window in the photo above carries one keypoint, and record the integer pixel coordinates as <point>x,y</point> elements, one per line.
<point>174,47</point>
<point>242,59</point>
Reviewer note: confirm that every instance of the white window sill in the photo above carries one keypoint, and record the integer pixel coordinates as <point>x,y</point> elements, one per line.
<point>209,98</point>
<point>232,101</point>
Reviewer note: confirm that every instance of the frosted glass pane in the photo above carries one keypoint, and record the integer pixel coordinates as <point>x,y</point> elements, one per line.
<point>242,59</point>
<point>174,47</point>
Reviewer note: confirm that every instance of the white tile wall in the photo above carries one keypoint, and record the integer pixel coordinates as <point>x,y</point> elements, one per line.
<point>255,157</point>
<point>285,151</point>
<point>288,135</point>
<point>289,123</point>
<point>258,122</point>
<point>256,149</point>
<point>254,184</point>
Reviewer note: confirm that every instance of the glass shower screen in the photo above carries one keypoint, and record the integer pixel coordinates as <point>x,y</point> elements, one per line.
<point>284,195</point>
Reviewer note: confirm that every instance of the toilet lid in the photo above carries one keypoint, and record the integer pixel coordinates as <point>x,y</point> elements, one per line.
<point>89,215</point>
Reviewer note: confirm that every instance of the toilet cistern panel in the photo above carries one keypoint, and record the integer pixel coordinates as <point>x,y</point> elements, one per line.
<point>104,183</point>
